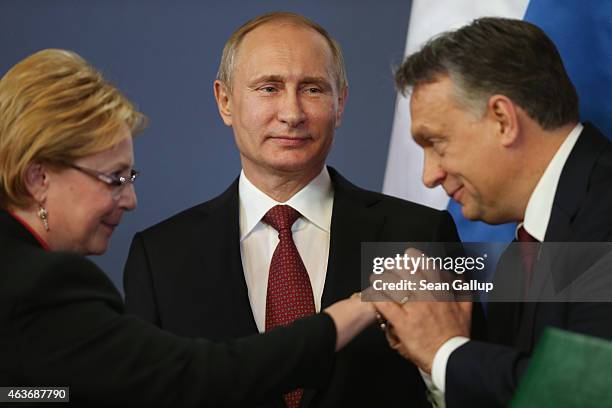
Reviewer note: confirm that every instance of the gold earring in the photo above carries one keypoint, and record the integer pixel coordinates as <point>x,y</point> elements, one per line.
<point>44,216</point>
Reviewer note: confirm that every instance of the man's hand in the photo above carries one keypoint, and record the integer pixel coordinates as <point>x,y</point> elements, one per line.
<point>417,324</point>
<point>418,329</point>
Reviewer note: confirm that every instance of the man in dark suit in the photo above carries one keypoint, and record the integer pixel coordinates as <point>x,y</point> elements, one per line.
<point>209,271</point>
<point>497,117</point>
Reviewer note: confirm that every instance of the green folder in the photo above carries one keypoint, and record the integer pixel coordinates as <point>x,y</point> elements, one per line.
<point>567,370</point>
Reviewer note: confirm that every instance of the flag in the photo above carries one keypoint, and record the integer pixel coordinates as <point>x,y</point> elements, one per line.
<point>581,31</point>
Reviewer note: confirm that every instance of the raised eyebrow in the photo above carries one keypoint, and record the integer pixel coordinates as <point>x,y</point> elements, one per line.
<point>423,135</point>
<point>420,137</point>
<point>316,80</point>
<point>319,81</point>
<point>266,78</point>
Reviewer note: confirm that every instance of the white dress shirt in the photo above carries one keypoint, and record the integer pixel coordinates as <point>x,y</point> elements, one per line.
<point>311,234</point>
<point>537,216</point>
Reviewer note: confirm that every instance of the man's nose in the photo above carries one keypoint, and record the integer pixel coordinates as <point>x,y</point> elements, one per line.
<point>291,110</point>
<point>433,173</point>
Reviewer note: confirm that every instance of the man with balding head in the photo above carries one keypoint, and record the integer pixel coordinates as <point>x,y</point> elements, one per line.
<point>284,240</point>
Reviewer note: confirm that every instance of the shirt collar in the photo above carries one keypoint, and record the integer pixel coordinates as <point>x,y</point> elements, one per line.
<point>539,206</point>
<point>31,230</point>
<point>314,202</point>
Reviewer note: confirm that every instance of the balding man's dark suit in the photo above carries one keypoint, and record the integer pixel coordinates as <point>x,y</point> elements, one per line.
<point>186,276</point>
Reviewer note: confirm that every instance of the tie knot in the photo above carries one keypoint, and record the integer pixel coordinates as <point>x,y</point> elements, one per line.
<point>281,217</point>
<point>524,236</point>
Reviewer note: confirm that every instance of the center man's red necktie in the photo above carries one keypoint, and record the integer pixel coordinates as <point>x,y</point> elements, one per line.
<point>289,294</point>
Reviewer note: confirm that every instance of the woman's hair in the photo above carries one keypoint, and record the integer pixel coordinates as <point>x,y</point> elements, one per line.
<point>54,109</point>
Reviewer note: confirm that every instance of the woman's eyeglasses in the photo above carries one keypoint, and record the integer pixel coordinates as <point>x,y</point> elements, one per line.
<point>117,183</point>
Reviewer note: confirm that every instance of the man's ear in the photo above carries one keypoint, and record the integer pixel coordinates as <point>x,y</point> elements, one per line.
<point>504,114</point>
<point>222,96</point>
<point>342,97</point>
<point>36,179</point>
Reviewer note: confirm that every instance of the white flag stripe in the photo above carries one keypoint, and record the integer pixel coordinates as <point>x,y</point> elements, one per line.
<point>405,158</point>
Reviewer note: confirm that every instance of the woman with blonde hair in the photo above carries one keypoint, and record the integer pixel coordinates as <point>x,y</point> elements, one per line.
<point>66,179</point>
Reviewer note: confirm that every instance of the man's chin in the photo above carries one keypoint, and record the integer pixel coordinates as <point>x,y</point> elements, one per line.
<point>472,214</point>
<point>468,215</point>
<point>479,215</point>
<point>296,166</point>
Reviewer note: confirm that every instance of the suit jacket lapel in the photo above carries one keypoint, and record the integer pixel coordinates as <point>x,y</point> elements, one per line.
<point>570,194</point>
<point>574,183</point>
<point>223,220</point>
<point>352,223</point>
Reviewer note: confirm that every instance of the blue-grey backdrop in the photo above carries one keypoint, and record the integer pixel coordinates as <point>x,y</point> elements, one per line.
<point>164,56</point>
